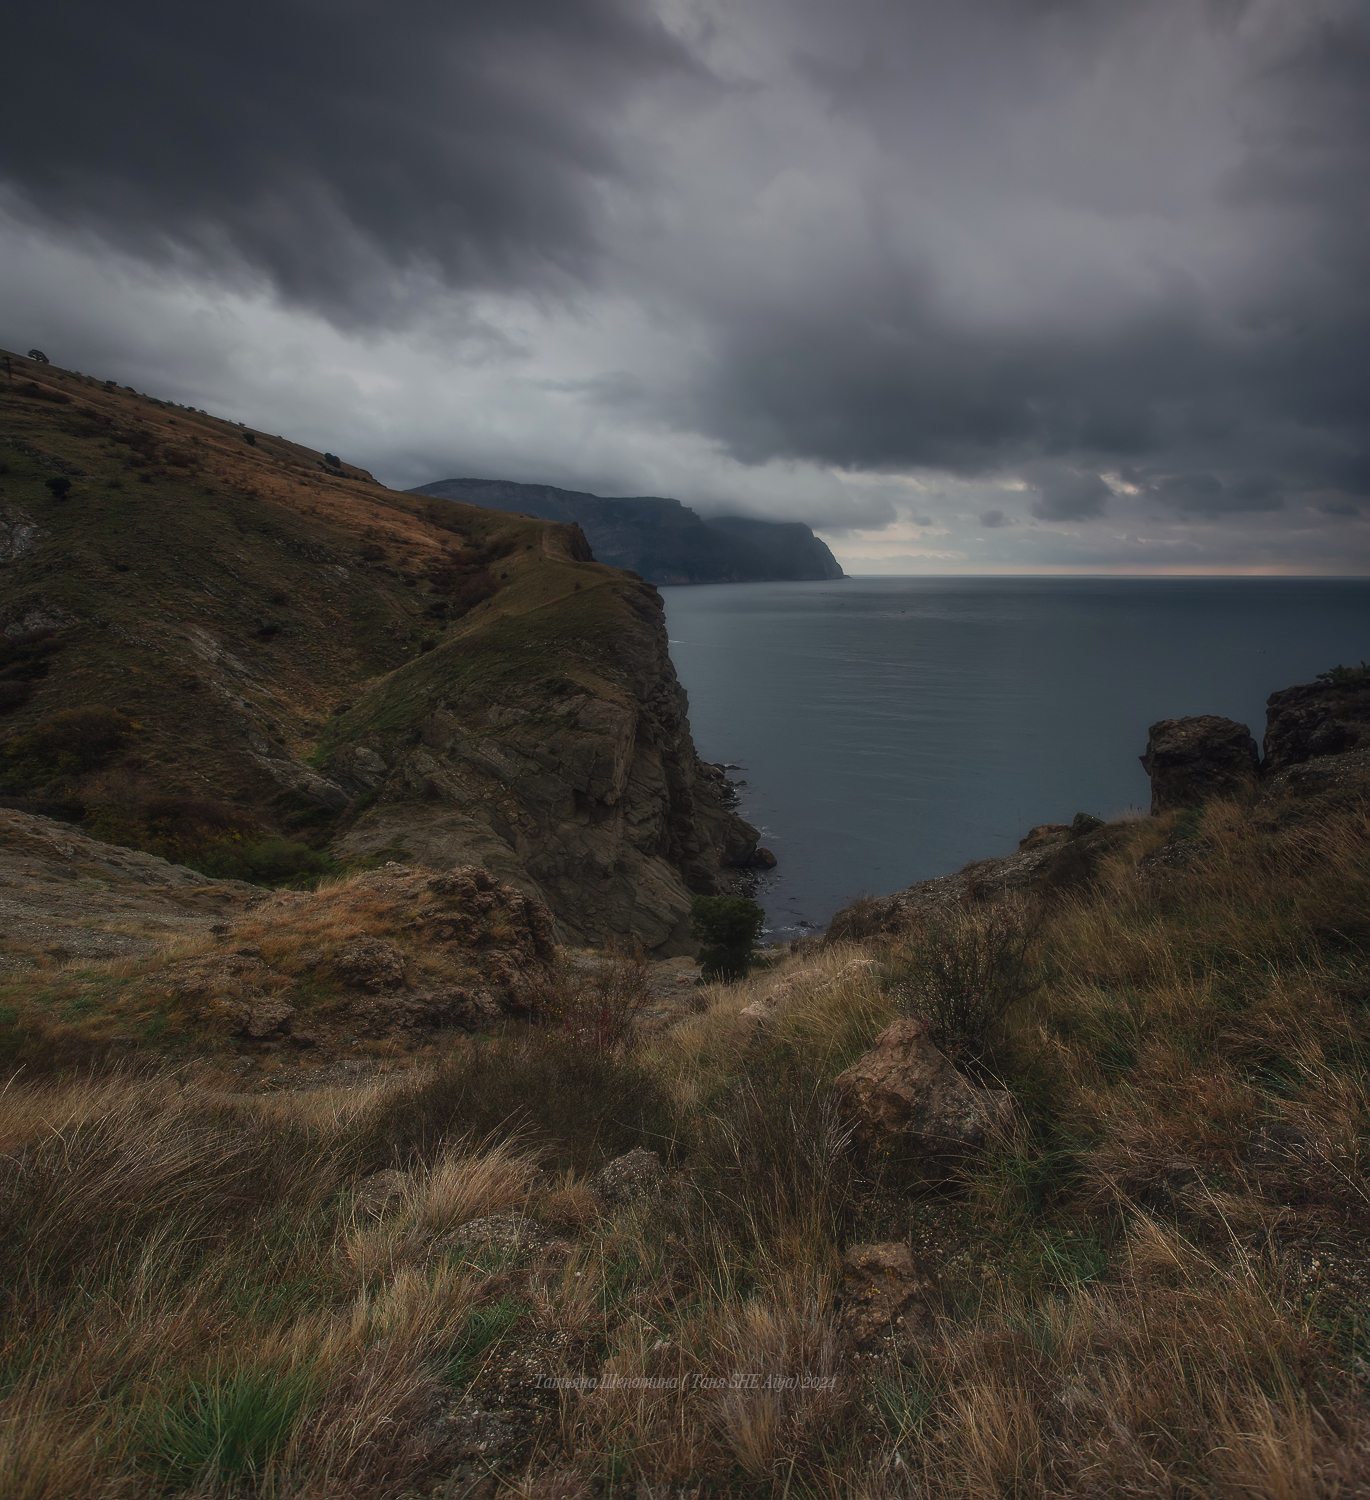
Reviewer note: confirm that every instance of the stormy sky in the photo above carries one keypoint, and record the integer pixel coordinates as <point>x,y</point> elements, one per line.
<point>968,285</point>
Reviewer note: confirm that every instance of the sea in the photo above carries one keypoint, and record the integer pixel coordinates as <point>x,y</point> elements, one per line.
<point>887,730</point>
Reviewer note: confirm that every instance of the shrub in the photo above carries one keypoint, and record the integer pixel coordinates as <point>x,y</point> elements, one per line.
<point>961,973</point>
<point>14,695</point>
<point>475,590</point>
<point>250,437</point>
<point>59,485</point>
<point>1356,676</point>
<point>867,917</point>
<point>771,1153</point>
<point>273,861</point>
<point>332,460</point>
<point>727,926</point>
<point>598,1008</point>
<point>72,741</point>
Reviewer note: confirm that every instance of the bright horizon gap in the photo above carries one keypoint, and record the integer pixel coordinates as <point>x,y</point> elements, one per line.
<point>1070,571</point>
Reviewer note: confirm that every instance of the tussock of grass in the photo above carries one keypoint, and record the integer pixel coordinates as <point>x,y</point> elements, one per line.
<point>1157,1287</point>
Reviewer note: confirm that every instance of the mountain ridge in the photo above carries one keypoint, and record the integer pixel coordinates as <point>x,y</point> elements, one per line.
<point>662,540</point>
<point>214,641</point>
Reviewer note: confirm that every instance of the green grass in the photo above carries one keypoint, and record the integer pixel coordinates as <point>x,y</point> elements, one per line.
<point>482,1332</point>
<point>227,1428</point>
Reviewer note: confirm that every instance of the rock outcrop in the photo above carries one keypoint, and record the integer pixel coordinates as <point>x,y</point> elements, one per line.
<point>1195,760</point>
<point>906,1092</point>
<point>565,767</point>
<point>293,651</point>
<point>1313,719</point>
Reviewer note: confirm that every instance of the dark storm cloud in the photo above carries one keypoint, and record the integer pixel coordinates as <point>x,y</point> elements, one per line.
<point>1067,496</point>
<point>1097,264</point>
<point>331,147</point>
<point>1211,327</point>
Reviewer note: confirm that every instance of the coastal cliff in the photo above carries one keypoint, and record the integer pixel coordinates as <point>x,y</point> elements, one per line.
<point>551,746</point>
<point>662,540</point>
<point>227,649</point>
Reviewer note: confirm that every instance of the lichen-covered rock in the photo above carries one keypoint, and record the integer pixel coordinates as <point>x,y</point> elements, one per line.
<point>425,1010</point>
<point>1192,761</point>
<point>906,1091</point>
<point>506,1231</point>
<point>628,1178</point>
<point>1042,835</point>
<point>381,1191</point>
<point>885,1297</point>
<point>369,964</point>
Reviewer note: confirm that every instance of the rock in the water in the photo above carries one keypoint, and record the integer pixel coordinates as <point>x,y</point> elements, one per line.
<point>1316,718</point>
<point>630,1177</point>
<point>1192,761</point>
<point>886,1298</point>
<point>906,1090</point>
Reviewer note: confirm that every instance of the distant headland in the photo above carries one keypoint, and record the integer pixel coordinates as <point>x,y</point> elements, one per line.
<point>660,540</point>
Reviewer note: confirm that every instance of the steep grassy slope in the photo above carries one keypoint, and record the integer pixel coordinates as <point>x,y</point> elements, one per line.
<point>1156,1285</point>
<point>203,632</point>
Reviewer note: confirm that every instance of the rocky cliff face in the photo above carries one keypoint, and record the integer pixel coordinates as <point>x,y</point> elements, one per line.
<point>575,779</point>
<point>662,540</point>
<point>255,642</point>
<point>1326,717</point>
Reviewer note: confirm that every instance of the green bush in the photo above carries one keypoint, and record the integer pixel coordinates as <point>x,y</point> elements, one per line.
<point>67,743</point>
<point>727,926</point>
<point>273,861</point>
<point>1356,676</point>
<point>961,974</point>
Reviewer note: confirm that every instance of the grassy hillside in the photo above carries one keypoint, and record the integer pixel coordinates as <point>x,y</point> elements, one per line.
<point>1156,1284</point>
<point>209,588</point>
<point>203,626</point>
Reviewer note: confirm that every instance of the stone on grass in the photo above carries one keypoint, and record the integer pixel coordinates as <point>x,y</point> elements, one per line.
<point>885,1297</point>
<point>370,964</point>
<point>381,1191</point>
<point>626,1179</point>
<point>906,1091</point>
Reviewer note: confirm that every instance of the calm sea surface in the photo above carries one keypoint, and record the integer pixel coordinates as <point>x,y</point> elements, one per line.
<point>890,729</point>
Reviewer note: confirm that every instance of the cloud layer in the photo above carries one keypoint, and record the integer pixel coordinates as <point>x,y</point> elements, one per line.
<point>1046,283</point>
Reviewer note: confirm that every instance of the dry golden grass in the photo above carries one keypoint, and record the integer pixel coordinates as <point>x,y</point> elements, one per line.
<point>1159,1287</point>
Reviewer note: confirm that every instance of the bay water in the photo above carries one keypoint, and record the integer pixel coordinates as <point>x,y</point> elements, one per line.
<point>891,729</point>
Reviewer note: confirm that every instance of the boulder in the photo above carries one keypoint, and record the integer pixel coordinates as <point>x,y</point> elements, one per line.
<point>1192,761</point>
<point>504,1231</point>
<point>1315,719</point>
<point>885,1297</point>
<point>1083,823</point>
<point>906,1091</point>
<point>637,1174</point>
<point>370,964</point>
